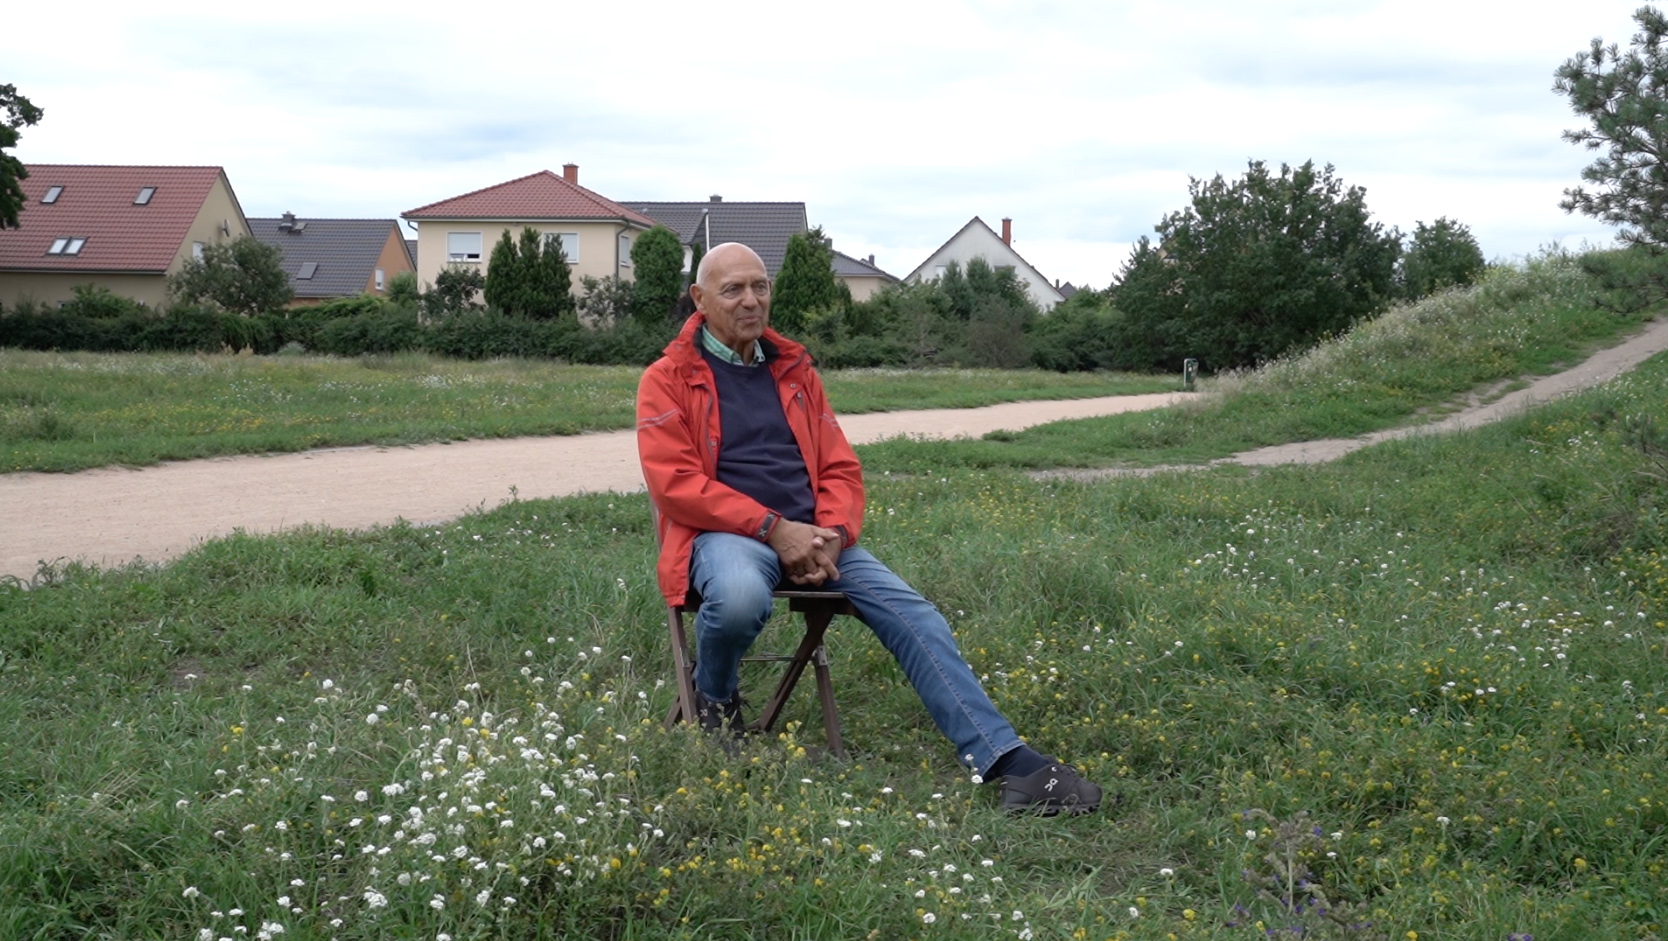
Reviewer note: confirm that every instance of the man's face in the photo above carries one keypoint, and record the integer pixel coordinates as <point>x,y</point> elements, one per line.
<point>735,296</point>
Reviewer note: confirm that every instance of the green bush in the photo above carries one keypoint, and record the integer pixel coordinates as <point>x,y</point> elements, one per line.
<point>43,329</point>
<point>390,331</point>
<point>1076,335</point>
<point>100,303</point>
<point>490,334</point>
<point>629,342</point>
<point>858,353</point>
<point>186,328</point>
<point>203,329</point>
<point>303,324</point>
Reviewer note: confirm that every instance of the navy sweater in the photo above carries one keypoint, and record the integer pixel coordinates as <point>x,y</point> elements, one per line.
<point>758,454</point>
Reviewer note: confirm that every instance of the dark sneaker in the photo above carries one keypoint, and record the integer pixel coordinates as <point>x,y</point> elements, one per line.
<point>1049,791</point>
<point>716,716</point>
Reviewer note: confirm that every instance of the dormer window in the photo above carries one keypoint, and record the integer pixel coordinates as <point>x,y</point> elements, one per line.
<point>52,194</point>
<point>67,245</point>
<point>144,197</point>
<point>307,270</point>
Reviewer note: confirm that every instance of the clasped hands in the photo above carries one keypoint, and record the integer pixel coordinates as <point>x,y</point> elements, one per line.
<point>809,554</point>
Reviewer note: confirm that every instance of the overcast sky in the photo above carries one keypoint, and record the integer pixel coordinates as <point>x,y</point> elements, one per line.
<point>894,122</point>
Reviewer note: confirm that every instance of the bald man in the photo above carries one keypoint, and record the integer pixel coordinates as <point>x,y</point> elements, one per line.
<point>756,486</point>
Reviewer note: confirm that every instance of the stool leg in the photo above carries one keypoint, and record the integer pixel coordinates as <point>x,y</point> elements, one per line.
<point>825,692</point>
<point>816,623</point>
<point>683,706</point>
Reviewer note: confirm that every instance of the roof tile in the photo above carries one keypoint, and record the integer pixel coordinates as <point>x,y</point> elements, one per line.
<point>765,227</point>
<point>345,252</point>
<point>541,195</point>
<point>97,203</point>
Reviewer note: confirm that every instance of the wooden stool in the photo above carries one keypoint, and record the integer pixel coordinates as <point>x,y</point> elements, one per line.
<point>818,608</point>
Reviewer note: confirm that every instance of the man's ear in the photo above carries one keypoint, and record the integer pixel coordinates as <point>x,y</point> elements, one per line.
<point>695,295</point>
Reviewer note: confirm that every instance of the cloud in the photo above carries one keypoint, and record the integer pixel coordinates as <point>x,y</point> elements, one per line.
<point>895,123</point>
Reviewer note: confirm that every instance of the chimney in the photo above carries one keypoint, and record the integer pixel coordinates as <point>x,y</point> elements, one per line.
<point>287,223</point>
<point>716,198</point>
<point>871,261</point>
<point>1007,231</point>
<point>570,172</point>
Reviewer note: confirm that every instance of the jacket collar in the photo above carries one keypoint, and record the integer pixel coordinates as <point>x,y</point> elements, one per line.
<point>685,348</point>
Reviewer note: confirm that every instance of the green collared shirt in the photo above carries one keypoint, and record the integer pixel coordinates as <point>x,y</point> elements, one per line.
<point>717,348</point>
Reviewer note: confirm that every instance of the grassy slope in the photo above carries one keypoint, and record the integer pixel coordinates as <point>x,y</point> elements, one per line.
<point>1431,679</point>
<point>62,412</point>
<point>1411,361</point>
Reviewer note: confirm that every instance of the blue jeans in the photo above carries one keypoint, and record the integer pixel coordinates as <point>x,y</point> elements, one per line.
<point>735,576</point>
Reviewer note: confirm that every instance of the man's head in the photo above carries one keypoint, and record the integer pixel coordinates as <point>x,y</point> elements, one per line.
<point>732,289</point>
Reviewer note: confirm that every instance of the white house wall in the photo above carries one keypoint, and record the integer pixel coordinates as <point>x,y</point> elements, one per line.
<point>977,241</point>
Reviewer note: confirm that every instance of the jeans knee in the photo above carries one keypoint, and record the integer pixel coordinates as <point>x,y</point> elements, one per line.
<point>736,612</point>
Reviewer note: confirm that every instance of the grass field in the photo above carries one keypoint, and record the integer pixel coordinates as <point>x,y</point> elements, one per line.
<point>1420,693</point>
<point>64,412</point>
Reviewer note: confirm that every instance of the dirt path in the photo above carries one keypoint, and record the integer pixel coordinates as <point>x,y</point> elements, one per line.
<point>1601,367</point>
<point>113,515</point>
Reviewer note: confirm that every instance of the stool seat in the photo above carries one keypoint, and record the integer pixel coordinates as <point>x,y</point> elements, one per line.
<point>818,609</point>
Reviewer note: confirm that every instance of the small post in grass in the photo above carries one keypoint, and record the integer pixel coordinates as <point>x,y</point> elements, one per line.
<point>1190,370</point>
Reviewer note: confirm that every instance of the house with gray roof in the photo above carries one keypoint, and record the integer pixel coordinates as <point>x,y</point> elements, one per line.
<point>765,227</point>
<point>861,275</point>
<point>328,258</point>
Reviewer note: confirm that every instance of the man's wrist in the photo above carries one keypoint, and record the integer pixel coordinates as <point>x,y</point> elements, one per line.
<point>767,526</point>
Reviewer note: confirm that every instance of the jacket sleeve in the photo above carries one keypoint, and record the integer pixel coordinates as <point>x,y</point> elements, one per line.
<point>672,462</point>
<point>839,473</point>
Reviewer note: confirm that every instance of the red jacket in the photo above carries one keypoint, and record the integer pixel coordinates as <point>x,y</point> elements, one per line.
<point>678,436</point>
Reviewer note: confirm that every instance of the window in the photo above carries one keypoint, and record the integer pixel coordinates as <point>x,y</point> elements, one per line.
<point>197,250</point>
<point>463,246</point>
<point>66,245</point>
<point>380,279</point>
<point>569,242</point>
<point>625,251</point>
<point>57,246</point>
<point>938,271</point>
<point>144,197</point>
<point>307,270</point>
<point>74,246</point>
<point>52,194</point>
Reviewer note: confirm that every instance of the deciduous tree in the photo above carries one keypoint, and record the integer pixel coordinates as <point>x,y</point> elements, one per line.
<point>1441,255</point>
<point>19,113</point>
<point>1255,267</point>
<point>455,291</point>
<point>243,276</point>
<point>1625,96</point>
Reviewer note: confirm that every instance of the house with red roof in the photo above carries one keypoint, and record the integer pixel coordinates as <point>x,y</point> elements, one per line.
<point>596,233</point>
<point>123,228</point>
